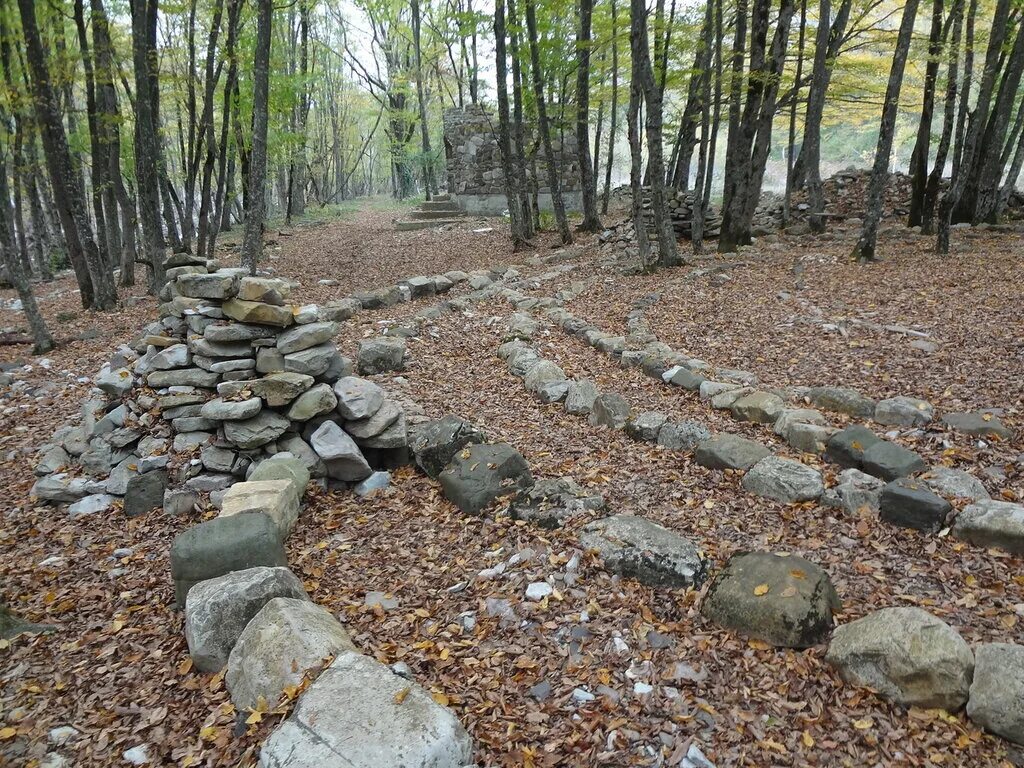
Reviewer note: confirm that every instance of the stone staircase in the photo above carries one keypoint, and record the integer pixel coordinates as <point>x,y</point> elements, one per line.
<point>431,213</point>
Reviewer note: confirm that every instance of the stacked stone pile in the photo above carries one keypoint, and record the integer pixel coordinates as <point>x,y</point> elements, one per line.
<point>230,375</point>
<point>680,207</point>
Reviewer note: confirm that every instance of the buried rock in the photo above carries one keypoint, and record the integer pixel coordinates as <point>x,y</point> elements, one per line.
<point>907,655</point>
<point>479,474</point>
<point>783,600</point>
<point>784,480</point>
<point>548,503</point>
<point>360,714</point>
<point>637,548</point>
<point>909,503</point>
<point>730,452</point>
<point>990,523</point>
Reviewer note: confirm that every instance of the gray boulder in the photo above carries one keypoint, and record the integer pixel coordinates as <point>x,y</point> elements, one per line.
<point>223,545</point>
<point>854,492</point>
<point>996,700</point>
<point>687,379</point>
<point>890,461</point>
<point>909,503</point>
<point>218,610</point>
<point>231,410</point>
<point>372,426</point>
<point>381,355</point>
<point>342,456</point>
<point>579,400</point>
<point>784,480</point>
<point>907,655</point>
<point>809,438</point>
<point>314,361</point>
<point>360,714</point>
<point>904,412</point>
<point>792,416</point>
<point>435,443</point>
<point>279,389</point>
<point>761,407</point>
<point>846,447</point>
<point>183,377</point>
<point>259,430</point>
<point>785,601</point>
<point>978,424</point>
<point>954,484</point>
<point>315,401</point>
<point>287,638</point>
<point>303,337</point>
<point>637,548</point>
<point>646,426</point>
<point>283,467</point>
<point>609,410</point>
<point>357,398</point>
<point>683,435</point>
<point>550,502</point>
<point>730,452</point>
<point>842,400</point>
<point>545,372</point>
<point>990,523</point>
<point>480,474</point>
<point>145,492</point>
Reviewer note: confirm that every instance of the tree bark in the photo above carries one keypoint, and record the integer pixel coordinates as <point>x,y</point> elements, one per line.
<point>865,248</point>
<point>614,111</point>
<point>591,221</point>
<point>421,99</point>
<point>931,193</point>
<point>791,144</point>
<point>252,241</point>
<point>922,145</point>
<point>511,179</point>
<point>643,242</point>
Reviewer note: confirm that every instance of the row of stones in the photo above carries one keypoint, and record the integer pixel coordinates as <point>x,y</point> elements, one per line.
<point>788,601</point>
<point>894,480</point>
<point>247,614</point>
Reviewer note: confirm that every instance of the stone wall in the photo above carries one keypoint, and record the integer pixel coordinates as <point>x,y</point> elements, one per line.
<point>475,177</point>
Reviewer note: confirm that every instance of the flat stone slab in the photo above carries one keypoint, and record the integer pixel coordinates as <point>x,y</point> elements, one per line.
<point>990,523</point>
<point>904,412</point>
<point>278,499</point>
<point>890,461</point>
<point>360,714</point>
<point>910,504</point>
<point>550,502</point>
<point>730,452</point>
<point>783,480</point>
<point>786,601</point>
<point>652,554</point>
<point>846,447</point>
<point>907,655</point>
<point>480,474</point>
<point>682,435</point>
<point>978,424</point>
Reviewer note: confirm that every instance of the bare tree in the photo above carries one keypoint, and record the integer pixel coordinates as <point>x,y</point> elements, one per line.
<point>252,240</point>
<point>512,191</point>
<point>591,222</point>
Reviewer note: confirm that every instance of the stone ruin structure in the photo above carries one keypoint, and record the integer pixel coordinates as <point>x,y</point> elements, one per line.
<point>475,178</point>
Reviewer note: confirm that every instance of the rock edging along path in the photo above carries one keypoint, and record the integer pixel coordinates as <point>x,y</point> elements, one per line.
<point>890,479</point>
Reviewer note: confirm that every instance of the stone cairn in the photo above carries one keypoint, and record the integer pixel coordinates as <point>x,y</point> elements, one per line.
<point>680,206</point>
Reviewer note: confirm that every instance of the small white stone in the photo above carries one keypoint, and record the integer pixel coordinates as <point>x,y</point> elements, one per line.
<point>61,735</point>
<point>538,590</point>
<point>642,689</point>
<point>138,755</point>
<point>582,696</point>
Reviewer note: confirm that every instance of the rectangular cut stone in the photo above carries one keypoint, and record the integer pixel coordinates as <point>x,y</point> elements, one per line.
<point>269,290</point>
<point>218,285</point>
<point>258,312</point>
<point>275,498</point>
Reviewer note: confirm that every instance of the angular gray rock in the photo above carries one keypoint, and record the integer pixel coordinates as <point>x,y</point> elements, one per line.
<point>687,379</point>
<point>218,610</point>
<point>342,456</point>
<point>730,452</point>
<point>372,426</point>
<point>357,398</point>
<point>550,502</point>
<point>907,655</point>
<point>435,443</point>
<point>231,410</point>
<point>760,407</point>
<point>854,492</point>
<point>646,426</point>
<point>991,523</point>
<point>784,480</point>
<point>315,401</point>
<point>313,361</point>
<point>904,411</point>
<point>842,400</point>
<point>609,410</point>
<point>890,461</point>
<point>996,701</point>
<point>792,416</point>
<point>683,435</point>
<point>360,714</point>
<point>954,484</point>
<point>545,372</point>
<point>216,285</point>
<point>145,493</point>
<point>978,424</point>
<point>809,438</point>
<point>285,639</point>
<point>183,377</point>
<point>785,601</point>
<point>381,355</point>
<point>579,400</point>
<point>223,545</point>
<point>910,504</point>
<point>637,548</point>
<point>279,389</point>
<point>174,356</point>
<point>259,430</point>
<point>846,447</point>
<point>480,474</point>
<point>303,337</point>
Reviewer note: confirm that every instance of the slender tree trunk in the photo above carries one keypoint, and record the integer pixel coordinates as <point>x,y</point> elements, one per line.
<point>811,150</point>
<point>865,248</point>
<point>591,221</point>
<point>643,241</point>
<point>922,145</point>
<point>518,130</point>
<point>717,113</point>
<point>931,193</point>
<point>421,99</point>
<point>699,209</point>
<point>791,145</point>
<point>206,128</point>
<point>614,112</point>
<point>544,126</point>
<point>252,241</point>
<point>965,88</point>
<point>511,179</point>
<point>221,217</point>
<point>95,283</point>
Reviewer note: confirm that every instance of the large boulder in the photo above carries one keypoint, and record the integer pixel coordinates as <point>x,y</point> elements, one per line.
<point>223,545</point>
<point>842,400</point>
<point>682,435</point>
<point>381,355</point>
<point>786,601</point>
<point>909,503</point>
<point>545,372</point>
<point>360,714</point>
<point>990,523</point>
<point>550,502</point>
<point>435,443</point>
<point>579,400</point>
<point>907,655</point>
<point>286,639</point>
<point>729,451</point>
<point>762,407</point>
<point>479,474</point>
<point>784,480</point>
<point>978,424</point>
<point>278,499</point>
<point>847,446</point>
<point>144,493</point>
<point>637,548</point>
<point>904,411</point>
<point>609,410</point>
<point>890,461</point>
<point>218,610</point>
<point>996,700</point>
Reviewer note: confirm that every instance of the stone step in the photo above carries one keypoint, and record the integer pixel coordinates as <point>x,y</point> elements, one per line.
<point>438,205</point>
<point>426,214</point>
<point>445,198</point>
<point>410,224</point>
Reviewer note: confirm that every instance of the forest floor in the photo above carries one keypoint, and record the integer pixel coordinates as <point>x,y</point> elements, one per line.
<point>792,310</point>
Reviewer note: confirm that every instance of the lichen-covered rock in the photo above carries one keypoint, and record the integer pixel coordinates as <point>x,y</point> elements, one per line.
<point>278,389</point>
<point>855,492</point>
<point>259,430</point>
<point>637,548</point>
<point>907,655</point>
<point>683,435</point>
<point>785,601</point>
<point>548,503</point>
<point>761,407</point>
<point>904,411</point>
<point>784,480</point>
<point>842,400</point>
<point>730,452</point>
<point>646,426</point>
<point>991,523</point>
<point>609,410</point>
<point>381,355</point>
<point>357,398</point>
<point>580,397</point>
<point>278,499</point>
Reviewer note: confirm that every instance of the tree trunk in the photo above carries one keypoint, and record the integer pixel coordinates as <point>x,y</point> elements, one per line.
<point>791,144</point>
<point>643,241</point>
<point>699,209</point>
<point>922,145</point>
<point>252,241</point>
<point>865,248</point>
<point>518,129</point>
<point>511,179</point>
<point>544,127</point>
<point>95,283</point>
<point>591,221</point>
<point>931,193</point>
<point>811,150</point>
<point>421,99</point>
<point>206,129</point>
<point>614,112</point>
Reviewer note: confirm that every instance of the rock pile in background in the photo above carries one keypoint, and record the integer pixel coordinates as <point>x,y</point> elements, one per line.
<point>232,374</point>
<point>680,205</point>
